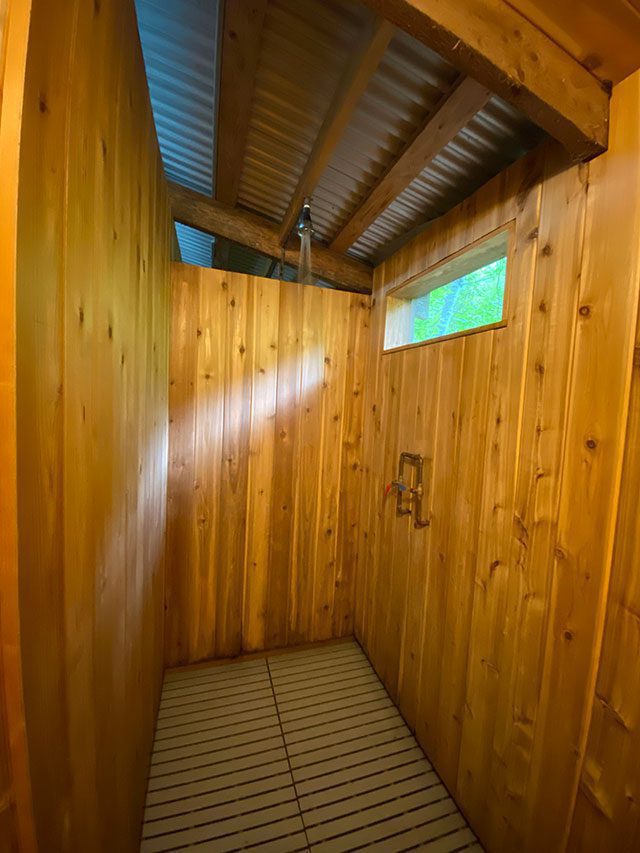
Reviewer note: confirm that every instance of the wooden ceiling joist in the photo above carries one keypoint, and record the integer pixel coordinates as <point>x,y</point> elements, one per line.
<point>354,81</point>
<point>495,44</point>
<point>242,28</point>
<point>249,229</point>
<point>464,100</point>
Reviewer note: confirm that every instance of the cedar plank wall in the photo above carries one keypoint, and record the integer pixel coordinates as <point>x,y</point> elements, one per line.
<point>486,627</point>
<point>607,815</point>
<point>265,449</point>
<point>92,327</point>
<point>16,817</point>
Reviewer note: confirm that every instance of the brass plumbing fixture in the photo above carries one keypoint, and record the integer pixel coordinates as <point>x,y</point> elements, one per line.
<point>416,492</point>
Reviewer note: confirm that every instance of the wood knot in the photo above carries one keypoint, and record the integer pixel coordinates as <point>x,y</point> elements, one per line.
<point>584,311</point>
<point>568,635</point>
<point>591,443</point>
<point>42,104</point>
<point>547,250</point>
<point>592,61</point>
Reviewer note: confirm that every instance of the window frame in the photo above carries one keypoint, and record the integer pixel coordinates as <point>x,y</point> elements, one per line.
<point>507,228</point>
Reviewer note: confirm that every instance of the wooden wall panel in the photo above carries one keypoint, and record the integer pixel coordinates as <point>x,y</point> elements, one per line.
<point>486,626</point>
<point>266,397</point>
<point>607,816</point>
<point>92,372</point>
<point>17,831</point>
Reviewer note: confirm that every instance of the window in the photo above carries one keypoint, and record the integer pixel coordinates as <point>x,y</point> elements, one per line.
<point>463,293</point>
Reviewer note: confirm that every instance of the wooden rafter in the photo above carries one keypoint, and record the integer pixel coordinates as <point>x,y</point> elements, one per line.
<point>493,43</point>
<point>464,100</point>
<point>362,65</point>
<point>261,234</point>
<point>242,27</point>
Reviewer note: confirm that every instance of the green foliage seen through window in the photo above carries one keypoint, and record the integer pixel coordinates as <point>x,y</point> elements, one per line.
<point>474,300</point>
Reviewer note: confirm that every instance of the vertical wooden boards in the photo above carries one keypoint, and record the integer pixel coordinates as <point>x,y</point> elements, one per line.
<point>504,593</point>
<point>266,304</point>
<point>606,813</point>
<point>601,376</point>
<point>501,454</point>
<point>544,412</point>
<point>351,473</point>
<point>17,830</point>
<point>92,321</point>
<point>230,550</point>
<point>280,417</point>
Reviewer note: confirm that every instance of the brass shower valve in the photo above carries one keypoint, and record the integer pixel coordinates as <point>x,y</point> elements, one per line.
<point>416,492</point>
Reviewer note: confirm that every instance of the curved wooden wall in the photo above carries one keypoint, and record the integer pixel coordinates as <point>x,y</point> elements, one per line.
<point>487,626</point>
<point>92,347</point>
<point>265,448</point>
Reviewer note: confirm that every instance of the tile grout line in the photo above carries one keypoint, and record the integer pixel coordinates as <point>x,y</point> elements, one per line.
<point>286,752</point>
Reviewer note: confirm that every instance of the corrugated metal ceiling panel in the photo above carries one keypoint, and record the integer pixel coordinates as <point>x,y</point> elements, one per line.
<point>409,83</point>
<point>196,247</point>
<point>179,42</point>
<point>496,137</point>
<point>305,47</point>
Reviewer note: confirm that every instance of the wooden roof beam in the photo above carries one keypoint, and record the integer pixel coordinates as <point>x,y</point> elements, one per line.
<point>261,234</point>
<point>492,42</point>
<point>242,28</point>
<point>464,100</point>
<point>355,79</point>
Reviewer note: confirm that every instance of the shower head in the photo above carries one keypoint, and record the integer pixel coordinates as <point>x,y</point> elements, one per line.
<point>305,224</point>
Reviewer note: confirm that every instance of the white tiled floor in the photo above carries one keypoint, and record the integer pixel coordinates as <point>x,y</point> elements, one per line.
<point>303,751</point>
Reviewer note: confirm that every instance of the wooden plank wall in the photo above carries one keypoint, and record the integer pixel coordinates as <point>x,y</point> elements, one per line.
<point>92,371</point>
<point>486,627</point>
<point>17,830</point>
<point>607,815</point>
<point>265,402</point>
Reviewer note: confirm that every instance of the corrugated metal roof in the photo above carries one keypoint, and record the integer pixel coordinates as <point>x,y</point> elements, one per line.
<point>304,50</point>
<point>179,42</point>
<point>410,82</point>
<point>196,247</point>
<point>305,47</point>
<point>243,259</point>
<point>496,137</point>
